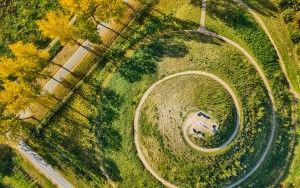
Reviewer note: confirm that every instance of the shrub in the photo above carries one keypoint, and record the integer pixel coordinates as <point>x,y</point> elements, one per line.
<point>288,15</point>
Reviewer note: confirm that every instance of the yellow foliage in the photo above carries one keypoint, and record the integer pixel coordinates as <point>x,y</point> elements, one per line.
<point>77,6</point>
<point>19,76</point>
<point>28,50</point>
<point>56,24</point>
<point>16,96</point>
<point>7,67</point>
<point>109,9</point>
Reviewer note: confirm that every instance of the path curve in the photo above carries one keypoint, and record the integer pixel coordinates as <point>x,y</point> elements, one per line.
<point>270,93</point>
<point>238,107</point>
<point>146,95</point>
<point>266,30</point>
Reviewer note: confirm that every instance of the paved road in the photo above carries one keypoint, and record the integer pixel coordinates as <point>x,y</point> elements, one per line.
<point>50,86</point>
<point>43,167</point>
<point>74,60</point>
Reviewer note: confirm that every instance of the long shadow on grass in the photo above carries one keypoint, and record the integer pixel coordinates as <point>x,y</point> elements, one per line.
<point>144,61</point>
<point>263,7</point>
<point>6,160</point>
<point>249,31</point>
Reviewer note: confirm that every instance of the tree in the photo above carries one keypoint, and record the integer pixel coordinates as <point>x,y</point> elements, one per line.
<point>99,10</point>
<point>56,24</point>
<point>104,10</point>
<point>19,84</point>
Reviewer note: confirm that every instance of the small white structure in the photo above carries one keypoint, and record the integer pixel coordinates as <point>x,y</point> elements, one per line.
<point>202,124</point>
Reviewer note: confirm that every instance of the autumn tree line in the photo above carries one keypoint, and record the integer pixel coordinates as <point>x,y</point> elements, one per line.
<point>22,69</point>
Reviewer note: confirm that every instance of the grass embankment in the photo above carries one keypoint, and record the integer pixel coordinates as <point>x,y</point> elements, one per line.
<point>162,146</point>
<point>16,172</point>
<point>186,95</point>
<point>293,176</point>
<point>233,21</point>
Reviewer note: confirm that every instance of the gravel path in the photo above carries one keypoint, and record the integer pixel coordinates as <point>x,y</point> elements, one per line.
<point>204,31</point>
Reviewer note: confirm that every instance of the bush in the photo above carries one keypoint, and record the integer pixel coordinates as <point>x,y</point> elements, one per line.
<point>288,15</point>
<point>287,3</point>
<point>295,36</point>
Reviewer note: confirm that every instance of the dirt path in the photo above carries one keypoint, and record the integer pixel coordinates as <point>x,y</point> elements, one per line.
<point>264,27</point>
<point>270,93</point>
<point>263,77</point>
<point>238,107</point>
<point>203,13</point>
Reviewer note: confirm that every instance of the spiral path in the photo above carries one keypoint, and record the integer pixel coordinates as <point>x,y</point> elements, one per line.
<point>151,88</point>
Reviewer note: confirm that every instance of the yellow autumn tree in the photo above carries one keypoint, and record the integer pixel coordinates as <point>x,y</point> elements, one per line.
<point>103,10</point>
<point>56,25</point>
<point>19,76</point>
<point>108,10</point>
<point>19,84</point>
<point>77,6</point>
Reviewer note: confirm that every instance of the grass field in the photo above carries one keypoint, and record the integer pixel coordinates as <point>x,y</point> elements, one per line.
<point>93,131</point>
<point>273,19</point>
<point>163,154</point>
<point>186,95</point>
<point>232,21</point>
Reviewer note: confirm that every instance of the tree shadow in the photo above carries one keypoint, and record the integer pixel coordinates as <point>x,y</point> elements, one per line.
<point>263,7</point>
<point>112,170</point>
<point>229,14</point>
<point>172,45</point>
<point>196,3</point>
<point>108,111</point>
<point>109,138</point>
<point>6,160</point>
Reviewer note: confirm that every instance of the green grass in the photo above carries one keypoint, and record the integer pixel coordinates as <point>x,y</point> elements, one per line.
<point>234,22</point>
<point>94,130</point>
<point>166,155</point>
<point>70,138</point>
<point>190,94</point>
<point>273,19</point>
<point>293,177</point>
